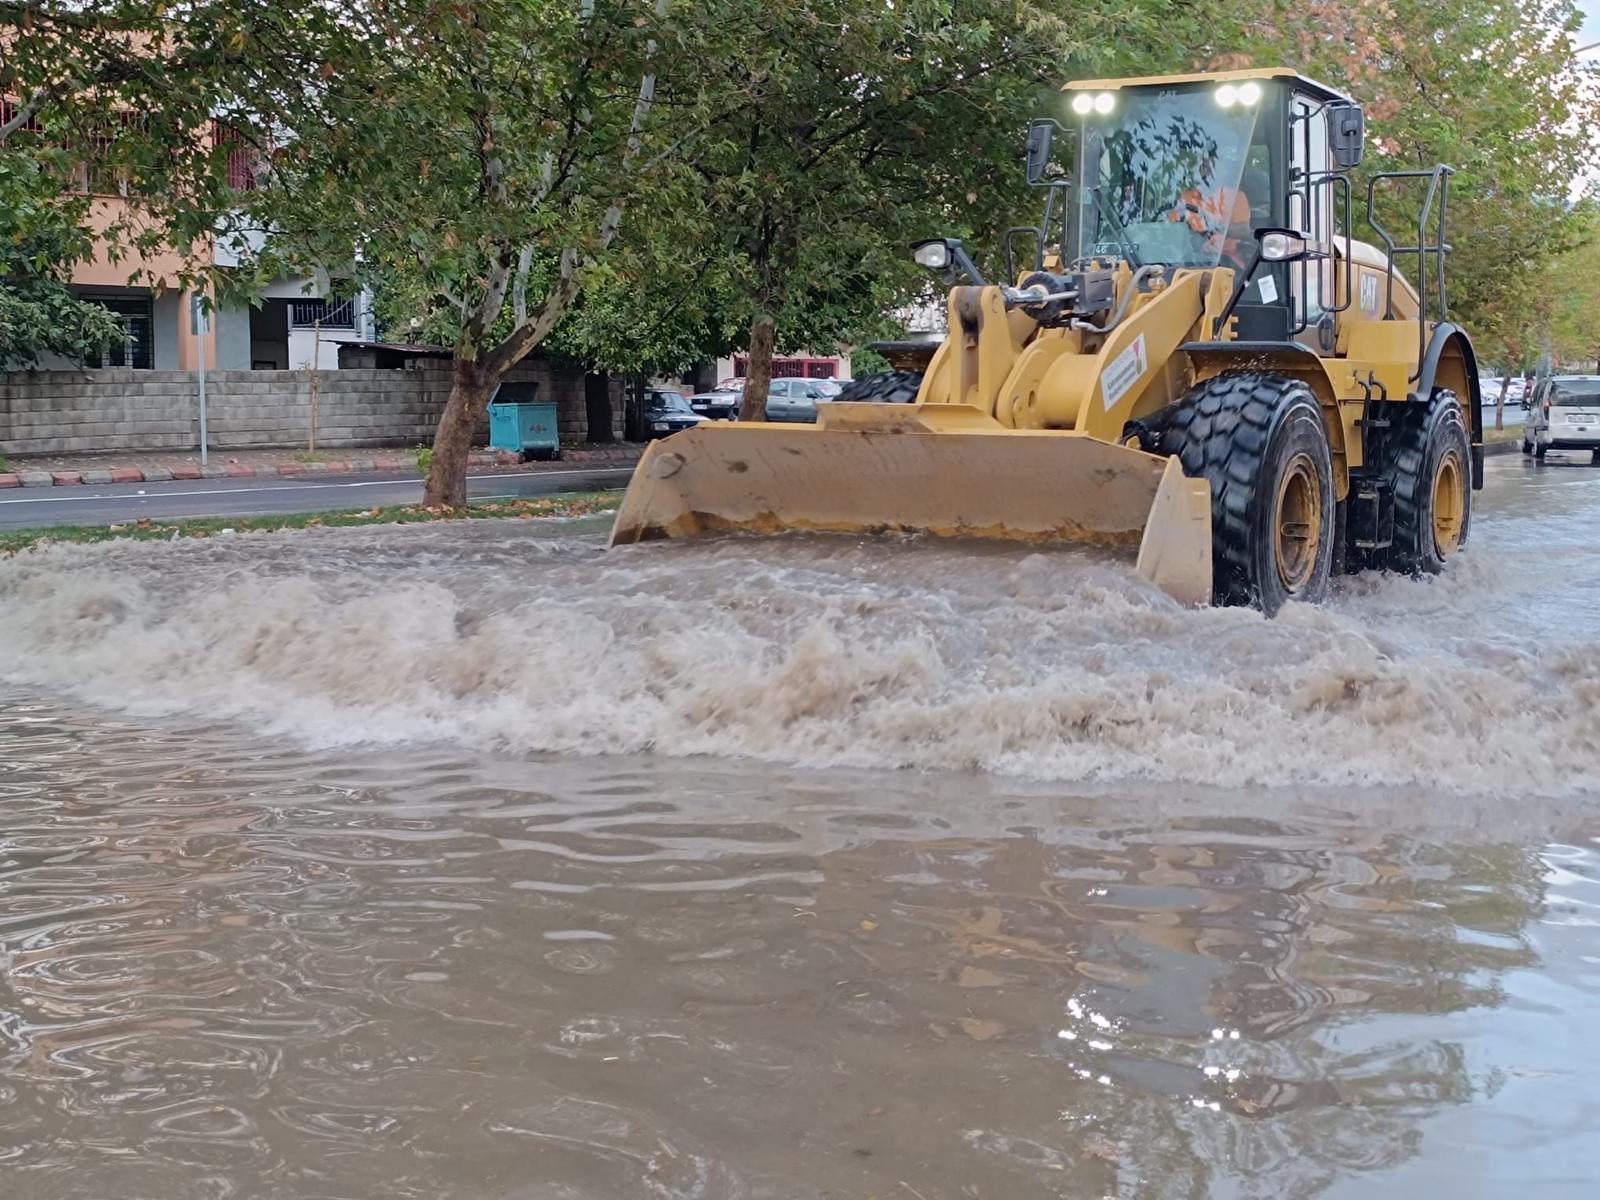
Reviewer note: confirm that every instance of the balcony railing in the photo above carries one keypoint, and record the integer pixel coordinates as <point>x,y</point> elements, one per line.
<point>304,314</point>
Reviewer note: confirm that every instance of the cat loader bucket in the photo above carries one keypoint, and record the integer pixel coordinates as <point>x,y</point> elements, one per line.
<point>947,470</point>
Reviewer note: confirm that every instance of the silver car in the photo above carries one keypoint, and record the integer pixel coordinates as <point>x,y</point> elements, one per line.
<point>797,399</point>
<point>1564,415</point>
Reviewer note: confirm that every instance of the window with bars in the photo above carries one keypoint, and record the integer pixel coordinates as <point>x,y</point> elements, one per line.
<point>137,350</point>
<point>243,160</point>
<point>303,314</point>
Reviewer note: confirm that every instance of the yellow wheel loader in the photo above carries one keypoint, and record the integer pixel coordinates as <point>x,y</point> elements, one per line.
<point>1199,359</point>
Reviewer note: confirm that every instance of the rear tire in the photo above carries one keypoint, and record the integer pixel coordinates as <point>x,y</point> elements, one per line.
<point>891,387</point>
<point>1431,465</point>
<point>1261,443</point>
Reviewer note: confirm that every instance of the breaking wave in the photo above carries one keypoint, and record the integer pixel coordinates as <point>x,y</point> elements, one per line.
<point>823,652</point>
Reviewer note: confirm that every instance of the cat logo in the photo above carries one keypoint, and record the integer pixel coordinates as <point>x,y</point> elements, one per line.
<point>1369,295</point>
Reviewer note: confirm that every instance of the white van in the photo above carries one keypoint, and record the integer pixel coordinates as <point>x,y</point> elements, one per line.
<point>1564,415</point>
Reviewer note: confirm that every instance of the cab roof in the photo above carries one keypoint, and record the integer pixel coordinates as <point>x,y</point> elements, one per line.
<point>1321,90</point>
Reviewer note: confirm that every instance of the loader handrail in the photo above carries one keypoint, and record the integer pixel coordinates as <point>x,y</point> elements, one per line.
<point>1438,187</point>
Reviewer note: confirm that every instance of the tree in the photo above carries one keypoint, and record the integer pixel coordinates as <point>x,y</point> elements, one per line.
<point>859,127</point>
<point>1575,298</point>
<point>1487,86</point>
<point>486,152</point>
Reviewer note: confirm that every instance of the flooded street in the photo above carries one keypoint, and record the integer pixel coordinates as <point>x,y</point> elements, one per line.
<point>471,861</point>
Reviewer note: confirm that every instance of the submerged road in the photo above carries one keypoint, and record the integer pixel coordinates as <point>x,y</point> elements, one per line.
<point>35,508</point>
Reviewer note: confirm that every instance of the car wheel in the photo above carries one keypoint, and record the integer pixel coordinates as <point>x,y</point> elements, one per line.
<point>1539,452</point>
<point>1527,446</point>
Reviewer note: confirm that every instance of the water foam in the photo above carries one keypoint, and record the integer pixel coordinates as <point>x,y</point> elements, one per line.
<point>813,652</point>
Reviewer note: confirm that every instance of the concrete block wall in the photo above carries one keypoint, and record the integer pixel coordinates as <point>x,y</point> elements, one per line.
<point>65,412</point>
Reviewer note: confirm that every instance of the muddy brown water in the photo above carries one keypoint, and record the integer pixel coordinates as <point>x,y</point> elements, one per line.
<point>426,863</point>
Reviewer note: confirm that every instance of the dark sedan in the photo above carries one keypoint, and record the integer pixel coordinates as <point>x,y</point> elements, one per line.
<point>668,412</point>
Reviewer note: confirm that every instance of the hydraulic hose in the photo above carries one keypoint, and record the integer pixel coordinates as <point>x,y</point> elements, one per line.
<point>1139,276</point>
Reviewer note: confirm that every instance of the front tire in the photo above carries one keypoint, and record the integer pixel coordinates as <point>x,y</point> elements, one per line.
<point>891,387</point>
<point>1539,452</point>
<point>1527,446</point>
<point>1261,443</point>
<point>1432,471</point>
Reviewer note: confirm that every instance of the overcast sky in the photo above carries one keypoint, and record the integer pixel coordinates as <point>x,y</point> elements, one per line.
<point>1591,25</point>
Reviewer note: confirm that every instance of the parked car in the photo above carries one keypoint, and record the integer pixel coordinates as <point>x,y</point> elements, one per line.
<point>1564,415</point>
<point>797,399</point>
<point>721,403</point>
<point>668,412</point>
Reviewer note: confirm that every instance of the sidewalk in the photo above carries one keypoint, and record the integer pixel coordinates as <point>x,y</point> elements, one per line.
<point>66,470</point>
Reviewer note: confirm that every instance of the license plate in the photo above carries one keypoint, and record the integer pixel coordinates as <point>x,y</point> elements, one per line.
<point>1581,418</point>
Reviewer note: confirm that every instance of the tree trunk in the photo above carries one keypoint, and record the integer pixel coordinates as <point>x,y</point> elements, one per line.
<point>447,473</point>
<point>1500,402</point>
<point>758,375</point>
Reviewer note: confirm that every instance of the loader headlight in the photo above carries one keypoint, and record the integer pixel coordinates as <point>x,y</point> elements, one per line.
<point>933,254</point>
<point>1084,103</point>
<point>1278,245</point>
<point>1241,95</point>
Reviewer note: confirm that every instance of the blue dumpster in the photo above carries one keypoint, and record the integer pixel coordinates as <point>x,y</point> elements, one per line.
<point>523,424</point>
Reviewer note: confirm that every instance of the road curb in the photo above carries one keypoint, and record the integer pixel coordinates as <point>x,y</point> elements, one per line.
<point>616,455</point>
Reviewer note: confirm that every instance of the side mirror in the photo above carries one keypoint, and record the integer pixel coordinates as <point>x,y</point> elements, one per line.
<point>1041,134</point>
<point>1347,133</point>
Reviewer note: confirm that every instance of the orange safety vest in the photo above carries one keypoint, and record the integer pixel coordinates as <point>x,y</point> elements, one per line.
<point>1214,216</point>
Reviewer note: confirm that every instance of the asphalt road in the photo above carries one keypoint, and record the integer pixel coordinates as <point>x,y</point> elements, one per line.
<point>29,508</point>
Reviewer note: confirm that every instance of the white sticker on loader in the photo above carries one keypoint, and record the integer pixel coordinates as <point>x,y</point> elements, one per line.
<point>1268,288</point>
<point>1125,370</point>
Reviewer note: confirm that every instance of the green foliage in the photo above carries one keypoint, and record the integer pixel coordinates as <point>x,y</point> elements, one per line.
<point>865,361</point>
<point>1574,298</point>
<point>424,460</point>
<point>1487,86</point>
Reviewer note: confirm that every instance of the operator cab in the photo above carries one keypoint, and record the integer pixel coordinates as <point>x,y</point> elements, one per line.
<point>1185,171</point>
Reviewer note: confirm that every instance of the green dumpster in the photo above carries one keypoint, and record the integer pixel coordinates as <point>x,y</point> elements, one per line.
<point>522,423</point>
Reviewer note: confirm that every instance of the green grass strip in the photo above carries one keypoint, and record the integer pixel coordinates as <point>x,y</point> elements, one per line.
<point>569,504</point>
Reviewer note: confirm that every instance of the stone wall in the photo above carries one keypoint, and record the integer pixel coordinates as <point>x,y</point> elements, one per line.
<point>63,412</point>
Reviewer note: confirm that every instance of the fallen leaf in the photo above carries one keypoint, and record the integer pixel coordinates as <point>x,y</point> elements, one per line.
<point>869,926</point>
<point>143,523</point>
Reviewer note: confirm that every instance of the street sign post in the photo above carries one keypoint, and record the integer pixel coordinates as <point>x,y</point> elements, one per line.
<point>200,325</point>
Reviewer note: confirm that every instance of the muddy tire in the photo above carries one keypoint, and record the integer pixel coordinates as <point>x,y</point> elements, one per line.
<point>1260,441</point>
<point>891,387</point>
<point>1430,462</point>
